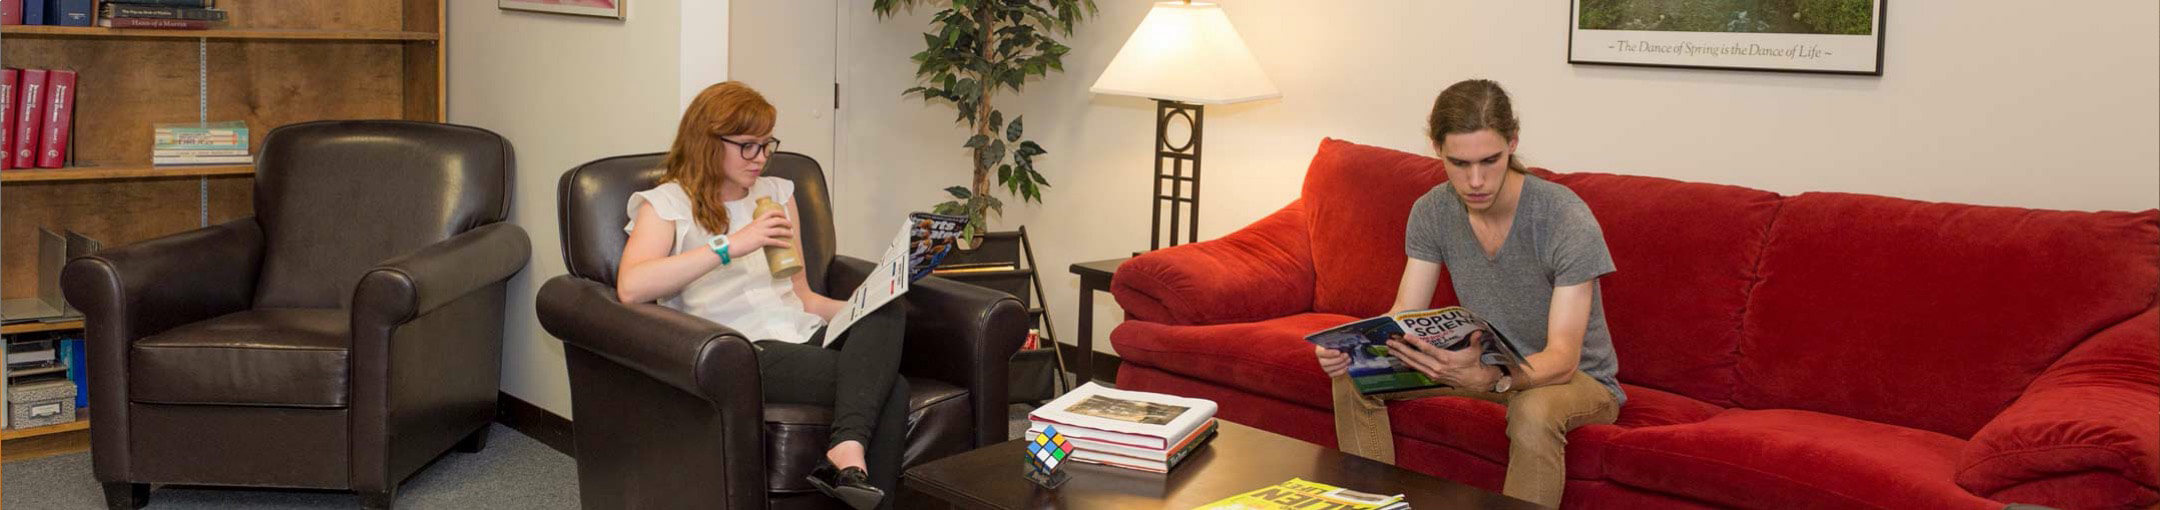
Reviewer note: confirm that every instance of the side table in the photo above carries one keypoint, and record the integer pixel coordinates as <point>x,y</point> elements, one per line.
<point>1094,277</point>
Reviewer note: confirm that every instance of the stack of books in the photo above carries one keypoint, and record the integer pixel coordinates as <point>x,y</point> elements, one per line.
<point>37,116</point>
<point>1135,430</point>
<point>222,143</point>
<point>167,14</point>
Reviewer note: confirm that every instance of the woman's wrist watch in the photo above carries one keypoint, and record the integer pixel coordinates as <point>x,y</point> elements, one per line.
<point>1504,383</point>
<point>719,245</point>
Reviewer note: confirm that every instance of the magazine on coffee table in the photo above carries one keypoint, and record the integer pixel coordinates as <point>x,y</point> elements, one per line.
<point>922,242</point>
<point>1375,371</point>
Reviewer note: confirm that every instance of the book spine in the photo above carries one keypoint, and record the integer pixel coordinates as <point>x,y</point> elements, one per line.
<point>164,12</point>
<point>72,13</point>
<point>79,370</point>
<point>11,12</point>
<point>29,106</point>
<point>199,4</point>
<point>7,118</point>
<point>196,153</point>
<point>33,12</point>
<point>176,24</point>
<point>59,116</point>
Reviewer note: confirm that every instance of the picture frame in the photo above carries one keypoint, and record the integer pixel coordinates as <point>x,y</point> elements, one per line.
<point>615,9</point>
<point>1802,36</point>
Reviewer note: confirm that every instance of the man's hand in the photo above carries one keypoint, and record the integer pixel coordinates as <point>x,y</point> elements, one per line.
<point>1334,362</point>
<point>1458,368</point>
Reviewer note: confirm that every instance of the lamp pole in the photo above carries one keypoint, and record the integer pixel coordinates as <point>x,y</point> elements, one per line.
<point>1172,162</point>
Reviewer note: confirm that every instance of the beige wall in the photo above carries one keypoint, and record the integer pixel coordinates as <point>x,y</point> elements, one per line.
<point>566,90</point>
<point>1991,102</point>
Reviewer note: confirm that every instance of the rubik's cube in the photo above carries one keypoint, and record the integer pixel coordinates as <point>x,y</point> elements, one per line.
<point>1048,450</point>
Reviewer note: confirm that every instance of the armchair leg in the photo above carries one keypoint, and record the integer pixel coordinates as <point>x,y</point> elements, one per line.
<point>126,496</point>
<point>384,500</point>
<point>475,442</point>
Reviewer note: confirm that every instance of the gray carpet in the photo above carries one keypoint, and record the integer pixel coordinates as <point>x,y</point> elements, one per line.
<point>514,472</point>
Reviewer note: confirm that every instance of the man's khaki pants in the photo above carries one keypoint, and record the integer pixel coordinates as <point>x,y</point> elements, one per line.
<point>1538,420</point>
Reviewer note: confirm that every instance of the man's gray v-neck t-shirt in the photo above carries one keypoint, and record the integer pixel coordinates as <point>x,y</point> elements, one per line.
<point>1553,242</point>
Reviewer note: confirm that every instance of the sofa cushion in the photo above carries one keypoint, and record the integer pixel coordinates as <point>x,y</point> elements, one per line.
<point>1479,427</point>
<point>275,356</point>
<point>1928,315</point>
<point>797,435</point>
<point>1798,459</point>
<point>1686,254</point>
<point>1268,357</point>
<point>1357,201</point>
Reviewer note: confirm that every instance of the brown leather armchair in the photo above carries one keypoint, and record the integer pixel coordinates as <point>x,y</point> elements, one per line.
<point>667,405</point>
<point>341,338</point>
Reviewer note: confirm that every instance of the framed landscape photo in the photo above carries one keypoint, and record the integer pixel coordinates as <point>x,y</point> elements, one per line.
<point>601,8</point>
<point>1816,36</point>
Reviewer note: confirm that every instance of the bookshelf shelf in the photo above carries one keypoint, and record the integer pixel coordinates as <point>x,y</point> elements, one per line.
<point>82,422</point>
<point>35,327</point>
<point>100,173</point>
<point>222,33</point>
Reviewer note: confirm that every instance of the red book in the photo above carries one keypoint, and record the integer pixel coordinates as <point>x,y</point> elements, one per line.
<point>59,116</point>
<point>29,116</point>
<point>179,24</point>
<point>7,117</point>
<point>11,12</point>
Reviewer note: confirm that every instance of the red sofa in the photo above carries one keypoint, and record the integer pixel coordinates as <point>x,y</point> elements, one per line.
<point>1821,350</point>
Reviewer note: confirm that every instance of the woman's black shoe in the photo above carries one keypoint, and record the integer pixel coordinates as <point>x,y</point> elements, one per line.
<point>851,486</point>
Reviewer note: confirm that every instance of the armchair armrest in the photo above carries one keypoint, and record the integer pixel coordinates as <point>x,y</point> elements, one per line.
<point>416,283</point>
<point>2095,413</point>
<point>711,361</point>
<point>133,291</point>
<point>1259,272</point>
<point>957,333</point>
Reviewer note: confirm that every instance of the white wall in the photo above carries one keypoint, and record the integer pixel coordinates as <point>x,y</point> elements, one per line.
<point>1992,102</point>
<point>566,90</point>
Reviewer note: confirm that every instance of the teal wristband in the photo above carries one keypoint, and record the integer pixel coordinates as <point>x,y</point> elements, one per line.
<point>720,249</point>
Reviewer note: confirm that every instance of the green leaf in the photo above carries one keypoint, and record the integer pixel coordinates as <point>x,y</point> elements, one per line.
<point>960,192</point>
<point>948,207</point>
<point>977,141</point>
<point>1038,177</point>
<point>1012,133</point>
<point>997,121</point>
<point>995,204</point>
<point>1031,149</point>
<point>990,156</point>
<point>1005,173</point>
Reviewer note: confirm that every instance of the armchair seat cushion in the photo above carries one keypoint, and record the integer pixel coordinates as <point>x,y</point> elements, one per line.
<point>796,434</point>
<point>294,357</point>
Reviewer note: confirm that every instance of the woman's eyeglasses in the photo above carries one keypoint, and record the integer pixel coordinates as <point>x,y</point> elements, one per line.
<point>751,150</point>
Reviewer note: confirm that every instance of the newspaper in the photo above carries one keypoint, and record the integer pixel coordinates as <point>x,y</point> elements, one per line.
<point>1300,494</point>
<point>923,241</point>
<point>1375,371</point>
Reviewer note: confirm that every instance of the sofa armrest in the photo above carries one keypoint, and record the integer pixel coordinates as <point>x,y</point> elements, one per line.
<point>141,289</point>
<point>2095,412</point>
<point>711,361</point>
<point>1259,272</point>
<point>957,333</point>
<point>416,283</point>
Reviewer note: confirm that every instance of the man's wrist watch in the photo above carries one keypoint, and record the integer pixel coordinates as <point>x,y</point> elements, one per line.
<point>1504,383</point>
<point>719,245</point>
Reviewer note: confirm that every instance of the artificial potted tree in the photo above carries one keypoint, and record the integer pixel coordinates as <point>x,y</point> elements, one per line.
<point>974,49</point>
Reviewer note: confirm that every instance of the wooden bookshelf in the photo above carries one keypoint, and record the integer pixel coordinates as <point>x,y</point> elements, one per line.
<point>222,33</point>
<point>272,63</point>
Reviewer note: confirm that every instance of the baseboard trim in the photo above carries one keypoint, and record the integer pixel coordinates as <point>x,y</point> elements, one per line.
<point>549,428</point>
<point>1105,365</point>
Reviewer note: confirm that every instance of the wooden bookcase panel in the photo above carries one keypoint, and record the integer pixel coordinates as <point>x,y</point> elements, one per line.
<point>127,85</point>
<point>113,212</point>
<point>321,14</point>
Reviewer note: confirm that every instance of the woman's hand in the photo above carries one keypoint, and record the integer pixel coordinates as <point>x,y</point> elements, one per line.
<point>1458,368</point>
<point>770,229</point>
<point>1334,362</point>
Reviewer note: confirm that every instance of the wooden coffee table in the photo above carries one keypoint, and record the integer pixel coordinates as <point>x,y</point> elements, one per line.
<point>1239,459</point>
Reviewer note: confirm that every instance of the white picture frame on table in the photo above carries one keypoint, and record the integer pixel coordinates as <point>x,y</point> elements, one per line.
<point>1806,36</point>
<point>598,8</point>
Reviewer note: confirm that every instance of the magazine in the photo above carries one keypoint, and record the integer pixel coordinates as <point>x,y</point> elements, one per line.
<point>923,241</point>
<point>1300,494</point>
<point>1374,371</point>
<point>1151,421</point>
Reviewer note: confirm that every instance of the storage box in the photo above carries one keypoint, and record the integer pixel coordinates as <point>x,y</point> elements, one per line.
<point>41,403</point>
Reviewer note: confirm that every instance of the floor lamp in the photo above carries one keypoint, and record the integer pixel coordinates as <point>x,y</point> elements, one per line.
<point>1184,55</point>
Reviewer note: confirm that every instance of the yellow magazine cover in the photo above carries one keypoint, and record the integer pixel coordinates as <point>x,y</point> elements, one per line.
<point>1299,494</point>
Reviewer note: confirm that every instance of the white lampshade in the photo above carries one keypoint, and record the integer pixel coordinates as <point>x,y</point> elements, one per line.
<point>1186,52</point>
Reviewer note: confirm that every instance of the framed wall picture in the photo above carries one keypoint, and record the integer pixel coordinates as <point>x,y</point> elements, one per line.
<point>1817,36</point>
<point>601,8</point>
